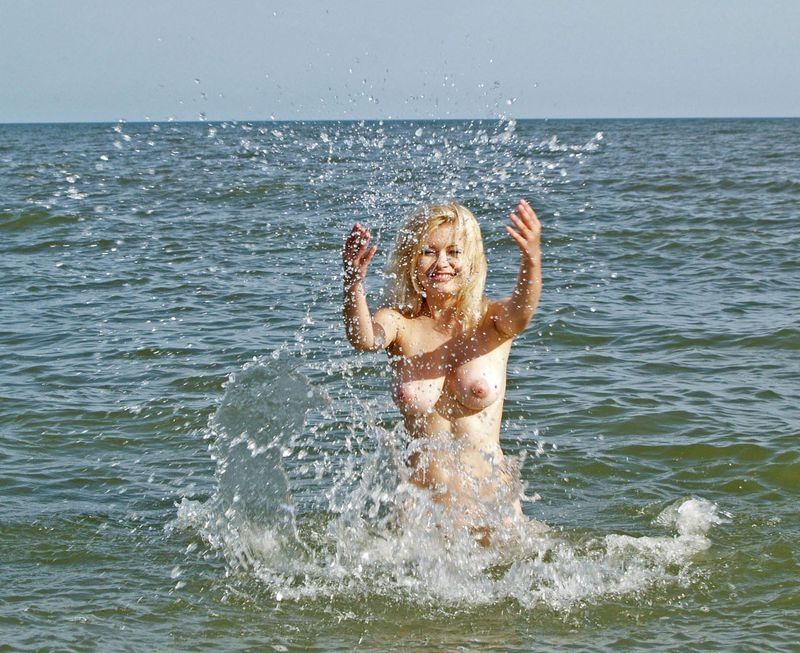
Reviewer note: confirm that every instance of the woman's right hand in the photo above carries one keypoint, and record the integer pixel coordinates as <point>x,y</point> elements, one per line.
<point>357,254</point>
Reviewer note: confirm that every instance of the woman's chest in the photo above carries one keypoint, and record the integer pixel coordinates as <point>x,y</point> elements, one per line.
<point>453,376</point>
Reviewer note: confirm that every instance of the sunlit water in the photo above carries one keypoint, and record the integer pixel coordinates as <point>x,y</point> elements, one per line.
<point>194,458</point>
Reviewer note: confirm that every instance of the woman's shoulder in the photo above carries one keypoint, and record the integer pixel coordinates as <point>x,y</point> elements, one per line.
<point>494,311</point>
<point>493,305</point>
<point>493,308</point>
<point>394,324</point>
<point>390,314</point>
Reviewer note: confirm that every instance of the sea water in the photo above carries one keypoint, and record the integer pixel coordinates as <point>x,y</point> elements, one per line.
<point>194,458</point>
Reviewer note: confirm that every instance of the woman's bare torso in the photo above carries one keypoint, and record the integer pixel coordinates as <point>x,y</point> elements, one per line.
<point>450,391</point>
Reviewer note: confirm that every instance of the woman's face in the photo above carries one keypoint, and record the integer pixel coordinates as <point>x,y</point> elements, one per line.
<point>440,264</point>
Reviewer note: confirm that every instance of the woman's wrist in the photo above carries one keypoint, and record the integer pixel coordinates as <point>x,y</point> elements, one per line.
<point>532,260</point>
<point>353,286</point>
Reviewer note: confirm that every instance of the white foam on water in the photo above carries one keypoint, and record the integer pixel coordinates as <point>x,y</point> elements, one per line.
<point>355,545</point>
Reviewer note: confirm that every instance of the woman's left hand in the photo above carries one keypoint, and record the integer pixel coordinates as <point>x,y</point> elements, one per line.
<point>528,231</point>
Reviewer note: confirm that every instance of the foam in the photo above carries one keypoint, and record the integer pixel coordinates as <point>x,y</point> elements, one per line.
<point>358,545</point>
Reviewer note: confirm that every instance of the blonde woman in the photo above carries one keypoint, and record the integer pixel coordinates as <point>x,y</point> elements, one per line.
<point>448,347</point>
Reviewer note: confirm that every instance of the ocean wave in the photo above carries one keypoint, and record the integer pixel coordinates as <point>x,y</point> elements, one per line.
<point>35,218</point>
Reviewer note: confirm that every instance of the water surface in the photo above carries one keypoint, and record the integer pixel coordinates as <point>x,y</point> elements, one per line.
<point>194,458</point>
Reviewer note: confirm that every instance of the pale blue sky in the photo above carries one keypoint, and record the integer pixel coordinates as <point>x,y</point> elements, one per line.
<point>104,60</point>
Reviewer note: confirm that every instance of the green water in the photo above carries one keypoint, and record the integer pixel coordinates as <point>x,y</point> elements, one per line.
<point>143,265</point>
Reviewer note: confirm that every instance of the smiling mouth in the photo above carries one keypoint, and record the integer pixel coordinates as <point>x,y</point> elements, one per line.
<point>442,276</point>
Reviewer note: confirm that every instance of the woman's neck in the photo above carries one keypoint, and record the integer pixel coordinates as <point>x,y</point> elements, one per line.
<point>441,309</point>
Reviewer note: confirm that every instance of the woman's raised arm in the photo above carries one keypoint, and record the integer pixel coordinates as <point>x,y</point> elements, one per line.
<point>512,315</point>
<point>364,332</point>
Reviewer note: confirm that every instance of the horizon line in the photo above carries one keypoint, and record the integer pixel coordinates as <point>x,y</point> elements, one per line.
<point>148,121</point>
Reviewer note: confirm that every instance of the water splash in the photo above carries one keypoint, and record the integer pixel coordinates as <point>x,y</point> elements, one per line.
<point>255,427</point>
<point>352,544</point>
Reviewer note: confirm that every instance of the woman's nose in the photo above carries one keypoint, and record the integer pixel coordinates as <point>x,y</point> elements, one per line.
<point>442,260</point>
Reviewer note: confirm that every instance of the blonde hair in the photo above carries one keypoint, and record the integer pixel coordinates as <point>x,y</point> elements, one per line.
<point>404,291</point>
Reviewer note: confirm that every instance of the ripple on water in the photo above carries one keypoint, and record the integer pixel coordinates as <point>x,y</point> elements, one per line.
<point>654,259</point>
<point>34,218</point>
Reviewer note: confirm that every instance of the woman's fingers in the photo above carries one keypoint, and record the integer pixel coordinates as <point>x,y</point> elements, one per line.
<point>357,253</point>
<point>520,224</point>
<point>520,240</point>
<point>357,242</point>
<point>526,212</point>
<point>357,235</point>
<point>528,215</point>
<point>363,257</point>
<point>526,228</point>
<point>369,256</point>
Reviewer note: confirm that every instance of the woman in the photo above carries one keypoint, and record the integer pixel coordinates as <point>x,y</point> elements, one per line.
<point>448,348</point>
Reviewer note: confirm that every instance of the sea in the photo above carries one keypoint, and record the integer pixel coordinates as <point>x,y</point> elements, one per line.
<point>194,459</point>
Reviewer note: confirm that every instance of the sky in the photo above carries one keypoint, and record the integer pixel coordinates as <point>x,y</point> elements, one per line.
<point>109,60</point>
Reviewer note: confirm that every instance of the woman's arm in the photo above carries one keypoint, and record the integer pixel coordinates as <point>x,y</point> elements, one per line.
<point>364,332</point>
<point>512,315</point>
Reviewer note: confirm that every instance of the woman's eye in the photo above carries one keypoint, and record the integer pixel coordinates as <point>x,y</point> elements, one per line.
<point>455,252</point>
<point>426,251</point>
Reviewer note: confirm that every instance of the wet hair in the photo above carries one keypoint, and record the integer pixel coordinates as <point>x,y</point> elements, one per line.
<point>405,293</point>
